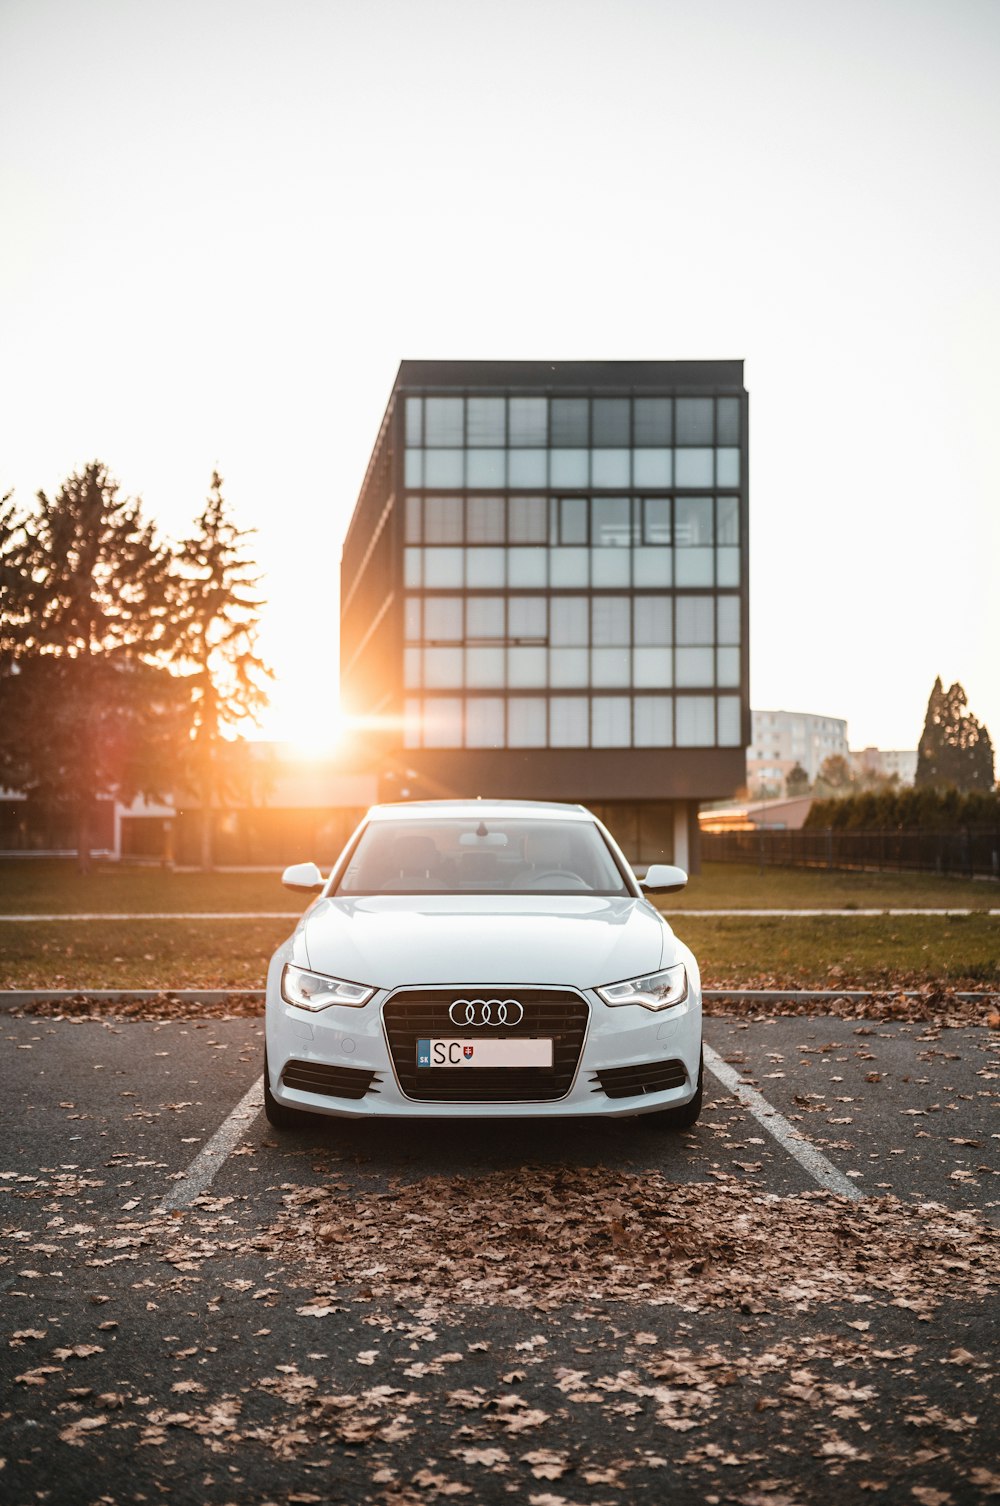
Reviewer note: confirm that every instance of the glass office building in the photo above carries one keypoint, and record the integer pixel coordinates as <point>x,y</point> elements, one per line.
<point>544,589</point>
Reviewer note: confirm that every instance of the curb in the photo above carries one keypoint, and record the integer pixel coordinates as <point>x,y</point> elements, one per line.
<point>15,998</point>
<point>854,995</point>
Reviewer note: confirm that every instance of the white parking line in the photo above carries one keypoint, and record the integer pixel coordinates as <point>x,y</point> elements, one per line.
<point>842,914</point>
<point>789,1138</point>
<point>210,1158</point>
<point>290,915</point>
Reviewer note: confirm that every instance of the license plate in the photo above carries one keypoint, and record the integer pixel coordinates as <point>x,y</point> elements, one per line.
<point>442,1051</point>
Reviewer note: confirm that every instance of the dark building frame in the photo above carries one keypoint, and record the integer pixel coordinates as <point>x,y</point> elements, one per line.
<point>653,791</point>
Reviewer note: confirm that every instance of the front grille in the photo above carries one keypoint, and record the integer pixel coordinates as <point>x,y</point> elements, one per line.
<point>558,1014</point>
<point>635,1081</point>
<point>332,1082</point>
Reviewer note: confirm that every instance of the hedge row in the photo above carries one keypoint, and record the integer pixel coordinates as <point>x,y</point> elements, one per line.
<point>907,810</point>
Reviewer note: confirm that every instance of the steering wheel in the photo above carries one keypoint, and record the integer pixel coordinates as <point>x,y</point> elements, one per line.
<point>565,880</point>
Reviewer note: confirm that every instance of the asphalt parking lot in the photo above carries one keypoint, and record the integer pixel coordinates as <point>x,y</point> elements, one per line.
<point>582,1312</point>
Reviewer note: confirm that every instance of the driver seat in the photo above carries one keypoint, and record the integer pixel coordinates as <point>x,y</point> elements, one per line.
<point>545,851</point>
<point>415,857</point>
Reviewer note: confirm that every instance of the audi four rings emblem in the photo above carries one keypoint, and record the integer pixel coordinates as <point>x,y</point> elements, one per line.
<point>486,1012</point>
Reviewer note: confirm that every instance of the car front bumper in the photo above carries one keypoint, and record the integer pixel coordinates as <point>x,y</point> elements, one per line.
<point>348,1063</point>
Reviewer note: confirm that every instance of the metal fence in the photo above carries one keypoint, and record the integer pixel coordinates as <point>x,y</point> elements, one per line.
<point>973,852</point>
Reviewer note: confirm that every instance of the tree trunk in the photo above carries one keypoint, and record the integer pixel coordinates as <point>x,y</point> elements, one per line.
<point>207,832</point>
<point>207,804</point>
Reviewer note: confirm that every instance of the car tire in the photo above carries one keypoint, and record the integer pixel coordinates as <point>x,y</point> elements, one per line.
<point>688,1114</point>
<point>277,1114</point>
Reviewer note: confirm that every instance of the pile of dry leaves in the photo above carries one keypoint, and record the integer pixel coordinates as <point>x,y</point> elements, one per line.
<point>543,1236</point>
<point>164,1006</point>
<point>931,1003</point>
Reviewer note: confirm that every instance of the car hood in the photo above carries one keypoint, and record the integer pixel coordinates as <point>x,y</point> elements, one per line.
<point>392,941</point>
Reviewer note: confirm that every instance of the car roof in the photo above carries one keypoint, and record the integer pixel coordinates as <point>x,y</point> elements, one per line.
<point>493,810</point>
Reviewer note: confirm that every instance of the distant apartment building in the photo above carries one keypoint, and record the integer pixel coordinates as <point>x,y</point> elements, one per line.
<point>781,739</point>
<point>544,589</point>
<point>885,763</point>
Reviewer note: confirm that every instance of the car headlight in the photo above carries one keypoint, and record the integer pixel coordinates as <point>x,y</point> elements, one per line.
<point>315,991</point>
<point>654,991</point>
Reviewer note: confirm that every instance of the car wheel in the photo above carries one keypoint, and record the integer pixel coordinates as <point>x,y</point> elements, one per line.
<point>276,1113</point>
<point>687,1115</point>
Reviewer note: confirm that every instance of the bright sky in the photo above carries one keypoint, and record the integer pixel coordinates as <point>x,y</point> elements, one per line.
<point>226,221</point>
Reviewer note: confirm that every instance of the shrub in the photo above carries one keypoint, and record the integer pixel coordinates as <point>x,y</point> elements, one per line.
<point>907,810</point>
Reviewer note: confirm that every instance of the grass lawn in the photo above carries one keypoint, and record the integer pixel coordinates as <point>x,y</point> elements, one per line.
<point>834,952</point>
<point>739,886</point>
<point>829,952</point>
<point>42,887</point>
<point>823,952</point>
<point>139,953</point>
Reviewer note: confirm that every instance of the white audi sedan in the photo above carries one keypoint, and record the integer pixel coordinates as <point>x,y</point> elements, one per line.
<point>482,959</point>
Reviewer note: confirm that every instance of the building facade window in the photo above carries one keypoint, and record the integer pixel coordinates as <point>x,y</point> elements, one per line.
<point>572,442</point>
<point>572,721</point>
<point>573,567</point>
<point>582,541</point>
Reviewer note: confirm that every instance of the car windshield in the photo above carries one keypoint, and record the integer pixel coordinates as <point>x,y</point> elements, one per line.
<point>474,856</point>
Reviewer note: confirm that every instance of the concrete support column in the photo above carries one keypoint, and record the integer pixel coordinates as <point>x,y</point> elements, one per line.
<point>682,848</point>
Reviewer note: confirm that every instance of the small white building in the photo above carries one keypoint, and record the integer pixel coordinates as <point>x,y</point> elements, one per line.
<point>283,803</point>
<point>756,815</point>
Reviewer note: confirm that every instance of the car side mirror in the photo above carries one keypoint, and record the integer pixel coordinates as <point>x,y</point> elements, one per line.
<point>303,878</point>
<point>663,878</point>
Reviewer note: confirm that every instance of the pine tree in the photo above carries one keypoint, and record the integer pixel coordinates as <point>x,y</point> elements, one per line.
<point>931,745</point>
<point>219,620</point>
<point>13,593</point>
<point>954,749</point>
<point>86,705</point>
